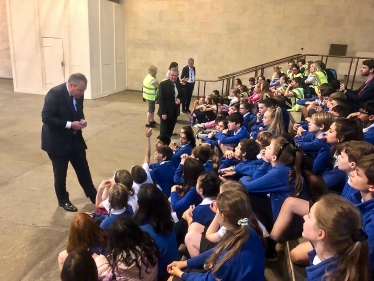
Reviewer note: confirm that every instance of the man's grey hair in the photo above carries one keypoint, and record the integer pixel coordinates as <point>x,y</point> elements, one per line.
<point>190,59</point>
<point>76,78</point>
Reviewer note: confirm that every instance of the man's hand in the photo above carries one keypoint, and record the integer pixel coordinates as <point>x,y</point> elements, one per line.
<point>164,116</point>
<point>76,125</point>
<point>177,101</point>
<point>83,123</point>
<point>148,133</point>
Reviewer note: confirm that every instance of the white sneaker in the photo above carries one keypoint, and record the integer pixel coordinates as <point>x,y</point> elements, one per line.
<point>199,126</point>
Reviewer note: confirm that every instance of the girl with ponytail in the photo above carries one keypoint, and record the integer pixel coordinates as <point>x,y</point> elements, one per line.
<point>334,227</point>
<point>239,255</point>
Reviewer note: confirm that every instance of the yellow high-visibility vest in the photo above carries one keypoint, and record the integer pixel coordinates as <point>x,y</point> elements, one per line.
<point>149,91</point>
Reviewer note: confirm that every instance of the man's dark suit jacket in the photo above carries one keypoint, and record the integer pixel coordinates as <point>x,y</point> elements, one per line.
<point>166,99</point>
<point>186,72</point>
<point>358,100</point>
<point>58,109</point>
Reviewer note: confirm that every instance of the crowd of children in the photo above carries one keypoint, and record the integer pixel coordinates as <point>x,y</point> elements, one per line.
<point>231,198</point>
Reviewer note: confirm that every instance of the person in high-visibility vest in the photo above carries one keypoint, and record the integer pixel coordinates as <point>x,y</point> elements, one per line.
<point>150,86</point>
<point>317,76</point>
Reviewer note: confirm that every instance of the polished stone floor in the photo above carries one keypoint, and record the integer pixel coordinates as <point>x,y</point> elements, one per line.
<point>34,229</point>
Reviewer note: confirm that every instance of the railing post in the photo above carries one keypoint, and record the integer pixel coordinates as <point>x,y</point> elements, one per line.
<point>354,75</point>
<point>223,83</point>
<point>204,88</point>
<point>326,61</point>
<point>198,90</point>
<point>349,71</point>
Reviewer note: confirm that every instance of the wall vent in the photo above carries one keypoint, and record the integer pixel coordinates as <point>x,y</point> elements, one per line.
<point>338,50</point>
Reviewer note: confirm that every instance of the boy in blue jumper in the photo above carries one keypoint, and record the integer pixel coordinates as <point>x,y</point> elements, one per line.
<point>234,134</point>
<point>162,172</point>
<point>246,152</point>
<point>366,116</point>
<point>214,136</point>
<point>362,180</point>
<point>246,109</point>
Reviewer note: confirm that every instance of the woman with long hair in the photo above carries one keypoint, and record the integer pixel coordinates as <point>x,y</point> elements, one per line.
<point>86,235</point>
<point>239,255</point>
<point>132,253</point>
<point>154,217</point>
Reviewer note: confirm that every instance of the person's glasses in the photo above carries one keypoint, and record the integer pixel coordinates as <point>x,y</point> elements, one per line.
<point>363,112</point>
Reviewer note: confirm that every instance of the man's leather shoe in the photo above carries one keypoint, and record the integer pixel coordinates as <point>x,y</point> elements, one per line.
<point>68,207</point>
<point>93,199</point>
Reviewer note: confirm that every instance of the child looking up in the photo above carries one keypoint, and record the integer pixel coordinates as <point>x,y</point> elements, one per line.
<point>162,172</point>
<point>239,255</point>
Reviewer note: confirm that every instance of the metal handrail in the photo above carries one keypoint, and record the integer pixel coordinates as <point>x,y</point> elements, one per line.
<point>229,79</point>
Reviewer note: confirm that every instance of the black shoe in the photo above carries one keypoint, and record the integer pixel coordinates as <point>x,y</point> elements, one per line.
<point>150,125</point>
<point>93,199</point>
<point>153,123</point>
<point>68,207</point>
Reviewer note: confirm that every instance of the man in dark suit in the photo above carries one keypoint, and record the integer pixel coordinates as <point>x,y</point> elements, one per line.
<point>188,72</point>
<point>63,121</point>
<point>169,98</point>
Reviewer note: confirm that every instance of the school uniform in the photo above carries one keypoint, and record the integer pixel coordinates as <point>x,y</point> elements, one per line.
<point>178,175</point>
<point>248,118</point>
<point>163,174</point>
<point>227,162</point>
<point>214,140</point>
<point>234,138</point>
<point>316,272</point>
<point>369,134</point>
<point>256,132</point>
<point>309,143</point>
<point>182,204</point>
<point>208,166</point>
<point>286,118</point>
<point>347,190</point>
<point>262,170</point>
<point>366,209</point>
<point>108,220</point>
<point>202,213</point>
<point>167,245</point>
<point>248,167</point>
<point>272,186</point>
<point>248,264</point>
<point>184,149</point>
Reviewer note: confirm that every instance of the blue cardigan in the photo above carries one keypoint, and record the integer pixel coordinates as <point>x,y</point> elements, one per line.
<point>184,149</point>
<point>163,174</point>
<point>316,272</point>
<point>203,215</point>
<point>214,140</point>
<point>167,245</point>
<point>248,167</point>
<point>248,264</point>
<point>366,209</point>
<point>369,136</point>
<point>182,204</point>
<point>230,138</point>
<point>275,183</point>
<point>310,144</point>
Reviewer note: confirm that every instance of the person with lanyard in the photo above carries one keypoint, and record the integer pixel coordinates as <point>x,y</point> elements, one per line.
<point>189,72</point>
<point>170,95</point>
<point>366,91</point>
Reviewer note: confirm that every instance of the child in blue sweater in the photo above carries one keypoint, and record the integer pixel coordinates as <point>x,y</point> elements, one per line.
<point>366,116</point>
<point>187,143</point>
<point>246,152</point>
<point>234,134</point>
<point>213,136</point>
<point>272,122</point>
<point>268,192</point>
<point>240,254</point>
<point>335,228</point>
<point>245,109</point>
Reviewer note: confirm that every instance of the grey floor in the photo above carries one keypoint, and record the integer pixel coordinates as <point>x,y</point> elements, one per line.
<point>34,229</point>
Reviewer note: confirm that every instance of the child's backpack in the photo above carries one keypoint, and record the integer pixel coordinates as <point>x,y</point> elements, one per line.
<point>331,74</point>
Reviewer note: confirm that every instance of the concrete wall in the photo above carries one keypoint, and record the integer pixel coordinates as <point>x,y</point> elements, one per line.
<point>226,36</point>
<point>5,64</point>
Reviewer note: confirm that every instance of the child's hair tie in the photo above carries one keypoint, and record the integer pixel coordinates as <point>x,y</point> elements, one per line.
<point>243,221</point>
<point>359,235</point>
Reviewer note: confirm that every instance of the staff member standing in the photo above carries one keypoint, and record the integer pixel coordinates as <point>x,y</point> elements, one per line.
<point>150,86</point>
<point>63,121</point>
<point>188,72</point>
<point>170,95</point>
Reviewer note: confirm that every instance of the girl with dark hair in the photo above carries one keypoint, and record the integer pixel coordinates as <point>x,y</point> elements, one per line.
<point>238,82</point>
<point>154,217</point>
<point>182,197</point>
<point>240,253</point>
<point>133,253</point>
<point>79,266</point>
<point>85,235</point>
<point>187,143</point>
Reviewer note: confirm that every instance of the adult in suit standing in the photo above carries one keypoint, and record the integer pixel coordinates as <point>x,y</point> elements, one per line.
<point>63,121</point>
<point>188,72</point>
<point>169,97</point>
